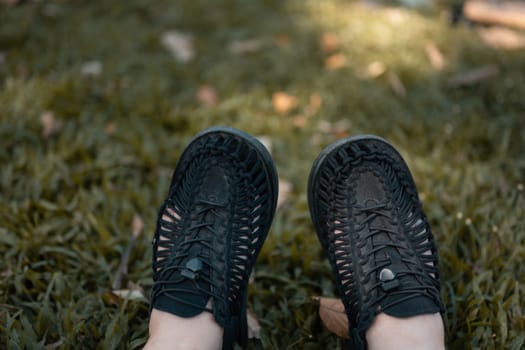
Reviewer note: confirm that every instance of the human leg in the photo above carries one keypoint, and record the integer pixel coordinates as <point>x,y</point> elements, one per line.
<point>366,211</point>
<point>169,331</point>
<point>417,332</point>
<point>209,232</point>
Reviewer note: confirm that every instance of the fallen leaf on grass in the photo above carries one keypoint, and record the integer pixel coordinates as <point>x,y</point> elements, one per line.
<point>300,121</point>
<point>376,69</point>
<point>397,85</point>
<point>324,126</point>
<point>207,95</point>
<point>129,294</point>
<point>282,40</point>
<point>285,189</point>
<point>502,38</point>
<point>333,315</point>
<point>50,125</point>
<point>137,225</point>
<point>91,68</point>
<point>315,103</point>
<point>473,76</point>
<point>283,102</point>
<point>110,128</point>
<point>54,345</point>
<point>434,55</point>
<point>246,46</point>
<point>396,15</point>
<point>180,45</point>
<point>335,61</point>
<point>329,42</point>
<point>508,13</point>
<point>339,129</point>
<point>132,292</point>
<point>254,328</point>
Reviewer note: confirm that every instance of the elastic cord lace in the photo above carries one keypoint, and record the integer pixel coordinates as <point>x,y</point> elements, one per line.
<point>197,242</point>
<point>396,261</point>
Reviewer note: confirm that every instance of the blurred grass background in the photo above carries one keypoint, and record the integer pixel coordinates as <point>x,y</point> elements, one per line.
<point>95,110</point>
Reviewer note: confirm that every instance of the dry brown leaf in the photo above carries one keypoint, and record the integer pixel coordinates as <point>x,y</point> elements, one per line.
<point>316,140</point>
<point>376,69</point>
<point>324,126</point>
<point>50,125</point>
<point>508,13</point>
<point>339,129</point>
<point>137,225</point>
<point>300,121</point>
<point>110,128</point>
<point>396,15</point>
<point>285,189</point>
<point>474,76</point>
<point>502,38</point>
<point>180,45</point>
<point>283,102</point>
<point>282,40</point>
<point>316,101</point>
<point>397,85</point>
<point>335,61</point>
<point>329,42</point>
<point>341,134</point>
<point>246,46</point>
<point>333,315</point>
<point>254,328</point>
<point>434,55</point>
<point>207,95</point>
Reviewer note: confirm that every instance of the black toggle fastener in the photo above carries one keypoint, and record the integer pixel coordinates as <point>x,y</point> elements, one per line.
<point>192,267</point>
<point>388,279</point>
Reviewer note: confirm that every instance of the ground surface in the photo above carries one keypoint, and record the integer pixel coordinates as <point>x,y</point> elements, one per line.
<point>94,111</point>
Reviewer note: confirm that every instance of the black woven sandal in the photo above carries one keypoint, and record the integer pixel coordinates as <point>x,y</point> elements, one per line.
<point>211,228</point>
<point>369,220</point>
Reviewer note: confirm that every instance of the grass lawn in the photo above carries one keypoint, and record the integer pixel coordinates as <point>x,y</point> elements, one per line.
<point>96,106</point>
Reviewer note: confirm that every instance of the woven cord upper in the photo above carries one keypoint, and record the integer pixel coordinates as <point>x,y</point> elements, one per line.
<point>369,219</point>
<point>210,230</point>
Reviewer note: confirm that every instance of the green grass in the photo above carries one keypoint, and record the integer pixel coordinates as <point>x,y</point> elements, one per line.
<point>67,201</point>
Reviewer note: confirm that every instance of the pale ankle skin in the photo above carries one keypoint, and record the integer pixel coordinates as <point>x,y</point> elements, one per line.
<point>417,332</point>
<point>168,331</point>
